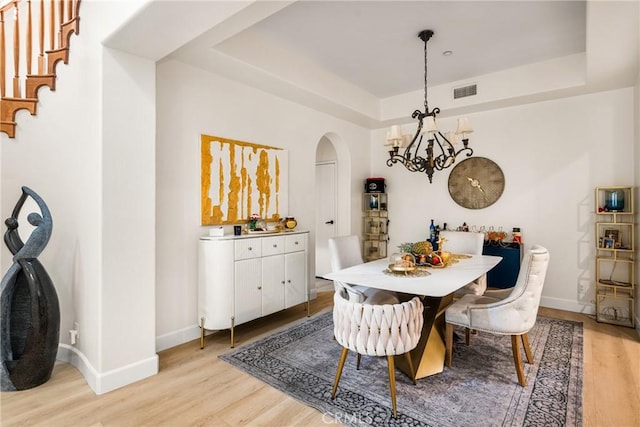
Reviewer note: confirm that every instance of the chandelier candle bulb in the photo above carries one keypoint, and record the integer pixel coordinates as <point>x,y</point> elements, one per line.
<point>464,127</point>
<point>431,126</point>
<point>395,137</point>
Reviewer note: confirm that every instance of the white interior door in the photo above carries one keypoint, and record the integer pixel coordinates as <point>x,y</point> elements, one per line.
<point>325,214</point>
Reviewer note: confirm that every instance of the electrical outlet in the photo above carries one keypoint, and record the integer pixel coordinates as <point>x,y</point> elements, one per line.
<point>74,333</point>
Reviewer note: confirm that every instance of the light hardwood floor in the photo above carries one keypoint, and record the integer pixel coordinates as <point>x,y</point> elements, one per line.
<point>195,388</point>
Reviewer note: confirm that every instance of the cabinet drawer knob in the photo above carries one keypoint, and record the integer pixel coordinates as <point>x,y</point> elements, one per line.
<point>275,246</point>
<point>259,287</point>
<point>296,242</point>
<point>250,248</point>
<point>282,282</point>
<point>289,281</point>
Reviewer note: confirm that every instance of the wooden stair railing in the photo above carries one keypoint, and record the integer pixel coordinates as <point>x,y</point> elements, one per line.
<point>56,21</point>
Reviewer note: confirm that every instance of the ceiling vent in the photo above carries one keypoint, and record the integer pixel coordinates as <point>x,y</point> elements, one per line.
<point>462,92</point>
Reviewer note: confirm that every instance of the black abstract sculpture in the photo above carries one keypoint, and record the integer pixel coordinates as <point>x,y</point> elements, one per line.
<point>30,317</point>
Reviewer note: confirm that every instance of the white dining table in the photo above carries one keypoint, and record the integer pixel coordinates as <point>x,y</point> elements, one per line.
<point>436,291</point>
<point>438,283</point>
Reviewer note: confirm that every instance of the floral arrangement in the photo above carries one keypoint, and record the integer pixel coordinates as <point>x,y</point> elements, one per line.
<point>253,220</point>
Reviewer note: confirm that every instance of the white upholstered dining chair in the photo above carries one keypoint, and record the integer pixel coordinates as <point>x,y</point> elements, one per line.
<point>377,330</point>
<point>470,243</point>
<point>513,315</point>
<point>346,251</point>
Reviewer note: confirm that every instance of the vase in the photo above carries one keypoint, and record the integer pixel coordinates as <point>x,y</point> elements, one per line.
<point>290,223</point>
<point>614,200</point>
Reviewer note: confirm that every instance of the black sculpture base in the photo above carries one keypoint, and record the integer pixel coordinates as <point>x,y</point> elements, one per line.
<point>34,329</point>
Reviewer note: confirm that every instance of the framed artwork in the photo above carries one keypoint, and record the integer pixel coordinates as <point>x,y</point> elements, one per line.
<point>239,179</point>
<point>609,243</point>
<point>612,234</point>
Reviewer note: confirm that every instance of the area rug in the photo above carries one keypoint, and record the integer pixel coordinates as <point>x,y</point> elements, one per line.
<point>481,388</point>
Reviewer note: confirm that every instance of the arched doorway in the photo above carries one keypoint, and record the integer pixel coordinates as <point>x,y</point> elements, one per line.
<point>326,190</point>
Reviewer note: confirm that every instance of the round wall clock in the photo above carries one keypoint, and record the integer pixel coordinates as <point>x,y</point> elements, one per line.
<point>476,183</point>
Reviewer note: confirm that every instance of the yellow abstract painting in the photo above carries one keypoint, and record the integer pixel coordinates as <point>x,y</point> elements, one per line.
<point>241,178</point>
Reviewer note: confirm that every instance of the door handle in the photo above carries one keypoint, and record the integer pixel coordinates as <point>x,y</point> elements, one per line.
<point>329,222</point>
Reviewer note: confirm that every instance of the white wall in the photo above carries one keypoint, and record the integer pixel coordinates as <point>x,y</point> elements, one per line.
<point>192,102</point>
<point>553,155</point>
<point>128,206</point>
<point>97,179</point>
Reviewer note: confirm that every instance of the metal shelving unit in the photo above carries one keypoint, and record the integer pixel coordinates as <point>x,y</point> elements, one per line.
<point>375,224</point>
<point>615,256</point>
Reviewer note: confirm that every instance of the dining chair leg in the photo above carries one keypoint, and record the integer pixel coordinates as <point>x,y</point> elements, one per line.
<point>358,361</point>
<point>527,348</point>
<point>343,357</point>
<point>412,371</point>
<point>517,359</point>
<point>467,336</point>
<point>392,383</point>
<point>449,344</point>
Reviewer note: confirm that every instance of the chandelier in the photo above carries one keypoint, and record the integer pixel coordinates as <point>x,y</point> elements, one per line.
<point>440,151</point>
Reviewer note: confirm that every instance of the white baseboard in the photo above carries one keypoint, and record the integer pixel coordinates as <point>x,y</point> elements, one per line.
<point>104,382</point>
<point>71,355</point>
<point>191,333</point>
<point>568,305</point>
<point>181,336</point>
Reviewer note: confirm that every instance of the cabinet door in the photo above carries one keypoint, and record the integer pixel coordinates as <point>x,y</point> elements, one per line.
<point>505,274</point>
<point>273,279</point>
<point>295,273</point>
<point>248,290</point>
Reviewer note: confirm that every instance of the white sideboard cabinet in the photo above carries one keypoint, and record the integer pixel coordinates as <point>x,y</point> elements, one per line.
<point>242,278</point>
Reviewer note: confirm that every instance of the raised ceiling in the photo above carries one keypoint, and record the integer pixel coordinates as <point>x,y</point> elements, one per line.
<point>374,44</point>
<point>362,60</point>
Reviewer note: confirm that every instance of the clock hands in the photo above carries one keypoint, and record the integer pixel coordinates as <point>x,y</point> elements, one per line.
<point>475,183</point>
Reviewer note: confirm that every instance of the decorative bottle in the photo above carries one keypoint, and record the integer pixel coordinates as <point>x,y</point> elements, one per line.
<point>432,235</point>
<point>517,236</point>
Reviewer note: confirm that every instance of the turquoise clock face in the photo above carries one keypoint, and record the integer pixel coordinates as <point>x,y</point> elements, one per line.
<point>476,182</point>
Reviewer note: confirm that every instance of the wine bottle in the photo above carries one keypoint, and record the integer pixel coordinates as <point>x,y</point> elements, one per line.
<point>432,234</point>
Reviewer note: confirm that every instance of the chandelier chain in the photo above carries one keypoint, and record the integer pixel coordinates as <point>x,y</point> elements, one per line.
<point>426,103</point>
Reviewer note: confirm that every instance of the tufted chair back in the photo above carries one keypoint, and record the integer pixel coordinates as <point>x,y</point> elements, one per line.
<point>377,330</point>
<point>345,251</point>
<point>466,242</point>
<point>462,242</point>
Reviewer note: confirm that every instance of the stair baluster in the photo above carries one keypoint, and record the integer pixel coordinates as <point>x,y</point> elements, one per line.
<point>56,21</point>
